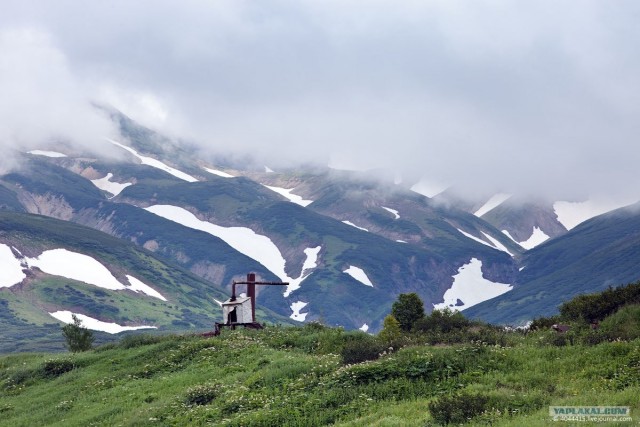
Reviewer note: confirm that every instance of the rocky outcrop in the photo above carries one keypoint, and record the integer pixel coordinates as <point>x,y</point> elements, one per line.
<point>46,204</point>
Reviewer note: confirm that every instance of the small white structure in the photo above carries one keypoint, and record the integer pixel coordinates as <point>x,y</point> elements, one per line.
<point>237,311</point>
<point>240,311</point>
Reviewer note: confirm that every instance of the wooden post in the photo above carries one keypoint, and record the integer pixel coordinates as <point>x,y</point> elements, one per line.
<point>251,293</point>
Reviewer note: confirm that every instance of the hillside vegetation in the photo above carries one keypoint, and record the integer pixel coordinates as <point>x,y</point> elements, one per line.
<point>25,323</point>
<point>315,375</point>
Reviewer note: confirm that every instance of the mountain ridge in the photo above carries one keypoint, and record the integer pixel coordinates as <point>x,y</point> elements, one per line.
<point>397,239</point>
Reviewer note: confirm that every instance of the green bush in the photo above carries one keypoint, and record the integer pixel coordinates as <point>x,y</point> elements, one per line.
<point>544,323</point>
<point>360,348</point>
<point>78,338</point>
<point>465,406</point>
<point>391,333</point>
<point>595,307</point>
<point>55,367</point>
<point>595,338</point>
<point>18,378</point>
<point>443,321</point>
<point>624,324</point>
<point>202,394</point>
<point>407,310</point>
<point>475,333</point>
<point>417,365</point>
<point>457,408</point>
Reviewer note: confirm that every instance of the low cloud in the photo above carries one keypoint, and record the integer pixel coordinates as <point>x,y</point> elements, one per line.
<point>492,96</point>
<point>43,102</point>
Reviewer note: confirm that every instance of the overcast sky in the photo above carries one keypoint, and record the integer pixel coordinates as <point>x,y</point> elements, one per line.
<point>537,96</point>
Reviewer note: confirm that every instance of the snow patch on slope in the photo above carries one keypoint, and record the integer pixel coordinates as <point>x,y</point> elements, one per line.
<point>244,240</point>
<point>492,203</point>
<point>289,196</point>
<point>496,244</point>
<point>64,263</point>
<point>217,172</point>
<point>150,161</point>
<point>570,214</point>
<point>46,153</point>
<point>139,286</point>
<point>471,288</point>
<point>10,267</point>
<point>83,268</point>
<point>310,263</point>
<point>393,211</point>
<point>105,184</point>
<point>358,274</point>
<point>75,266</point>
<point>296,307</point>
<point>537,237</point>
<point>95,324</point>
<point>472,237</point>
<point>353,225</point>
<point>506,233</point>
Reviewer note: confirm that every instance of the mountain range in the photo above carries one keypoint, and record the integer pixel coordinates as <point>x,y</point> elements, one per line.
<point>158,217</point>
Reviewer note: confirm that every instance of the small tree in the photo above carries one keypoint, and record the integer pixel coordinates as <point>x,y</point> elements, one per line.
<point>407,309</point>
<point>390,332</point>
<point>78,337</point>
<point>445,320</point>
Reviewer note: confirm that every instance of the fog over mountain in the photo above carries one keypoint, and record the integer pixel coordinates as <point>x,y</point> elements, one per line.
<point>538,98</point>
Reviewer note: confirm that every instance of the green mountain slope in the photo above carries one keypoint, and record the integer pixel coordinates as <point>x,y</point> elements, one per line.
<point>26,325</point>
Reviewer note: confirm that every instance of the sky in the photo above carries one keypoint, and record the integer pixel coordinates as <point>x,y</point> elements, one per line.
<point>533,97</point>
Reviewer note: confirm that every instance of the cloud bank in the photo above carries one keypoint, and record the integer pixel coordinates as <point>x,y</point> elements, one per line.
<point>540,97</point>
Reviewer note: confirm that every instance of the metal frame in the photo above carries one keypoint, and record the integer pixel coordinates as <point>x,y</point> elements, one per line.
<point>251,293</point>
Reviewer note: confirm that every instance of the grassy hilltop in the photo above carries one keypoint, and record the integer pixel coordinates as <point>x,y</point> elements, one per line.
<point>315,375</point>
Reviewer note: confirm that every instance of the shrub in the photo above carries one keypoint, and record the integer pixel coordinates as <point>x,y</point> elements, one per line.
<point>442,321</point>
<point>416,365</point>
<point>624,324</point>
<point>544,323</point>
<point>202,394</point>
<point>55,367</point>
<point>594,338</point>
<point>19,378</point>
<point>78,338</point>
<point>314,326</point>
<point>462,407</point>
<point>458,408</point>
<point>407,310</point>
<point>593,307</point>
<point>391,332</point>
<point>361,347</point>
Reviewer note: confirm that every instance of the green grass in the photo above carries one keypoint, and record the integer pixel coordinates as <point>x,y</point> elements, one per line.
<point>295,376</point>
